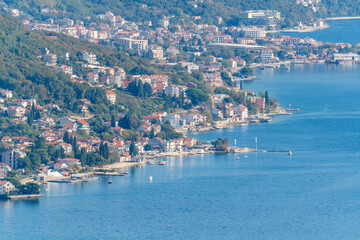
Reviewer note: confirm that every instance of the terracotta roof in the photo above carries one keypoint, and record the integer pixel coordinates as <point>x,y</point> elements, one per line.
<point>3,182</point>
<point>83,122</point>
<point>70,159</point>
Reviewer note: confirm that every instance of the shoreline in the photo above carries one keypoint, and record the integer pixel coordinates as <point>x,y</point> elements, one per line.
<point>340,18</point>
<point>305,29</point>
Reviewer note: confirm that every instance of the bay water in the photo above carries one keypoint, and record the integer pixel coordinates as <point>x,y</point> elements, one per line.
<point>313,194</point>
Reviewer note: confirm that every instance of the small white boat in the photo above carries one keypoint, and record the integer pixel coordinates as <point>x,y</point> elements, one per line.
<point>109,182</point>
<point>150,178</point>
<point>246,156</point>
<point>237,158</point>
<point>162,162</point>
<point>290,153</point>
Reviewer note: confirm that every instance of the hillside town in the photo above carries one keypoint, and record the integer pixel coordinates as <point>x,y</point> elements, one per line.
<point>221,57</point>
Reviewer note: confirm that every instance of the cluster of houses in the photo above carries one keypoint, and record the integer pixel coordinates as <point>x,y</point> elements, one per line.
<point>98,74</point>
<point>144,41</point>
<point>53,131</point>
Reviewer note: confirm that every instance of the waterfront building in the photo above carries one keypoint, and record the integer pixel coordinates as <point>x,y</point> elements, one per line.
<point>6,187</point>
<point>346,57</point>
<point>267,54</point>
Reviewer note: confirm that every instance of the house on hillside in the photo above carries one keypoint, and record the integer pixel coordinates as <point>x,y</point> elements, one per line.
<point>4,167</point>
<point>64,146</point>
<point>111,96</point>
<point>70,161</point>
<point>83,125</point>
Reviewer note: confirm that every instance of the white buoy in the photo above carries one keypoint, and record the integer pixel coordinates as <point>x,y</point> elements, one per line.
<point>150,178</point>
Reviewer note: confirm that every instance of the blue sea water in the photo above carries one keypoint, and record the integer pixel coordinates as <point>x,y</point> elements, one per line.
<point>314,194</point>
<point>340,31</point>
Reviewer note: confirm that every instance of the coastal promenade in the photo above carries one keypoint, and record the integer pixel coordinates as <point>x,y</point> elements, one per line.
<point>342,18</point>
<point>305,29</point>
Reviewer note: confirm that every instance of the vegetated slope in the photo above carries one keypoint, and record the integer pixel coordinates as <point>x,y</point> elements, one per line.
<point>339,8</point>
<point>141,10</point>
<point>22,71</point>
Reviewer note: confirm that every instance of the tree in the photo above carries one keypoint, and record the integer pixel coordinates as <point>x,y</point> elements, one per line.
<point>83,156</point>
<point>66,137</point>
<point>40,143</point>
<point>104,150</point>
<point>225,63</point>
<point>147,90</point>
<point>129,121</point>
<point>13,180</point>
<point>282,54</point>
<point>197,96</point>
<point>31,162</point>
<point>113,121</point>
<point>169,132</point>
<point>266,98</point>
<point>247,71</point>
<point>152,133</point>
<point>221,144</point>
<point>148,147</point>
<point>133,149</point>
<point>226,78</point>
<point>29,188</point>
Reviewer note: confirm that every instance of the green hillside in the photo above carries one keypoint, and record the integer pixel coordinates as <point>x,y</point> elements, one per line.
<point>23,72</point>
<point>135,10</point>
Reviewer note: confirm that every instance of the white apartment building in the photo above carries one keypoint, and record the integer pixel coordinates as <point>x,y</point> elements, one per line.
<point>11,157</point>
<point>136,44</point>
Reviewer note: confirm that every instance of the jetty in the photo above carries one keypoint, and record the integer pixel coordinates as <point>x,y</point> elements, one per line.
<point>68,180</point>
<point>27,196</point>
<point>287,151</point>
<point>109,174</point>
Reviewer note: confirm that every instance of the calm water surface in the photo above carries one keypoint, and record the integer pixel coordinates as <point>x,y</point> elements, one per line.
<point>344,31</point>
<point>314,194</point>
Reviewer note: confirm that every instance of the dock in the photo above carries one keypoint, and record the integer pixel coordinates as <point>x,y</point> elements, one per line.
<point>275,151</point>
<point>109,174</point>
<point>21,197</point>
<point>65,180</point>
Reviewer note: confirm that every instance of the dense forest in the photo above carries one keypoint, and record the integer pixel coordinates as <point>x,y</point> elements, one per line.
<point>339,8</point>
<point>141,10</point>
